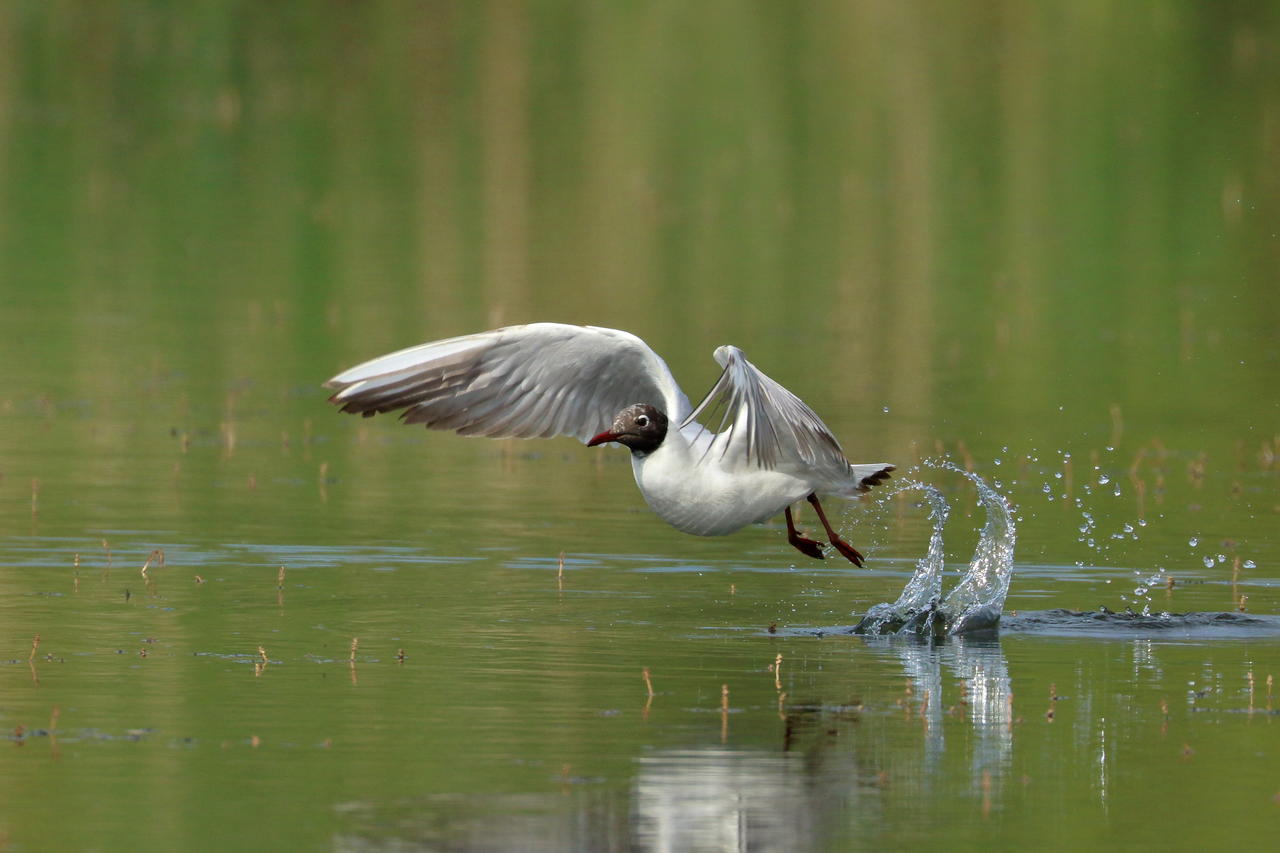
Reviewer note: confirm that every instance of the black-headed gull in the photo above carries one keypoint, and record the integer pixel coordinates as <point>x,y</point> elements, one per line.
<point>768,451</point>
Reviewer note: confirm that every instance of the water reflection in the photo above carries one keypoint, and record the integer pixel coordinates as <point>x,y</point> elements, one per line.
<point>817,786</point>
<point>985,700</point>
<point>709,798</point>
<point>585,820</point>
<point>723,799</point>
<point>830,776</point>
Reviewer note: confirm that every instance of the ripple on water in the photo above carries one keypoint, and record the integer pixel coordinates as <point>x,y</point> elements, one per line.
<point>1128,625</point>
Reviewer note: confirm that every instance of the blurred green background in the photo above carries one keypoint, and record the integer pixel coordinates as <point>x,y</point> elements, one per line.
<point>947,207</point>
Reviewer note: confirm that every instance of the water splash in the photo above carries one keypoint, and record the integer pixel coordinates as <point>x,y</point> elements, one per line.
<point>920,597</point>
<point>977,601</point>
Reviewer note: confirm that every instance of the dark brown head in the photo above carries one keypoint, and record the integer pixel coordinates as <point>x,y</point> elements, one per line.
<point>640,427</point>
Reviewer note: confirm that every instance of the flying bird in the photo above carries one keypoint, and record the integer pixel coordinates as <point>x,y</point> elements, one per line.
<point>768,450</point>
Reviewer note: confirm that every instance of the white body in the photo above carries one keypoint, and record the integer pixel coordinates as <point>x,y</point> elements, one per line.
<point>697,494</point>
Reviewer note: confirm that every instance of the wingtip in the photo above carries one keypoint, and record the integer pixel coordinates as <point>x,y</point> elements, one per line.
<point>337,396</point>
<point>352,406</point>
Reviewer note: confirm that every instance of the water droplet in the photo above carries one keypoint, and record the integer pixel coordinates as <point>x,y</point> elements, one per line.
<point>1128,528</point>
<point>1117,491</point>
<point>885,410</point>
<point>1103,480</point>
<point>1193,541</point>
<point>1208,562</point>
<point>1222,558</point>
<point>997,460</point>
<point>1250,564</point>
<point>1046,488</point>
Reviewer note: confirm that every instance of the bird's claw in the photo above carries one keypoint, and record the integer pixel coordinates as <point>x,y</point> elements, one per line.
<point>850,553</point>
<point>807,546</point>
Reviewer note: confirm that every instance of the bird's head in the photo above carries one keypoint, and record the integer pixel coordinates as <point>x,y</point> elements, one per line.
<point>640,427</point>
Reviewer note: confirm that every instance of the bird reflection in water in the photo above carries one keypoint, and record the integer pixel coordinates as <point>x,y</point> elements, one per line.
<point>829,778</point>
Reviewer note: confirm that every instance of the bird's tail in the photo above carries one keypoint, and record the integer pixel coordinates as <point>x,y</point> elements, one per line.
<point>866,475</point>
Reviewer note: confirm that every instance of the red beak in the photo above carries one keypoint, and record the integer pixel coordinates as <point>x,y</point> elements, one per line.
<point>602,438</point>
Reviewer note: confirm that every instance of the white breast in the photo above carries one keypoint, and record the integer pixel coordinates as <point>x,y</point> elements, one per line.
<point>691,491</point>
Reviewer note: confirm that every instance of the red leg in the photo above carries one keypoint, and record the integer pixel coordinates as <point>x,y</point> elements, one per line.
<point>850,553</point>
<point>803,544</point>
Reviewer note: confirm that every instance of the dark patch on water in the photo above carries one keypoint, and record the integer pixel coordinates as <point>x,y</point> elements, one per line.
<point>1107,624</point>
<point>1100,624</point>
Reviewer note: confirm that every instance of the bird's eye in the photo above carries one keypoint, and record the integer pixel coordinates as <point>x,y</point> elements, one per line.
<point>642,421</point>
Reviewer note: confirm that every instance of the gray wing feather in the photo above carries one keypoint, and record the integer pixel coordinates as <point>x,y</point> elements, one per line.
<point>763,424</point>
<point>530,381</point>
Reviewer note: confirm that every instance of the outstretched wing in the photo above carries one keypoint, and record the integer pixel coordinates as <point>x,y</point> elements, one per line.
<point>531,381</point>
<point>760,424</point>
